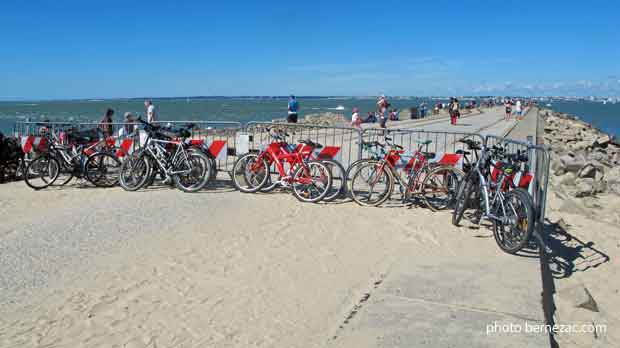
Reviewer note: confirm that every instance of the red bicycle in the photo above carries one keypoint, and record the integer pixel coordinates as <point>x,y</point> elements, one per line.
<point>310,180</point>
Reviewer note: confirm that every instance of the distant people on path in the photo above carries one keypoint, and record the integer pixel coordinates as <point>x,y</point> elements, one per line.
<point>519,110</point>
<point>508,107</point>
<point>293,108</point>
<point>129,127</point>
<point>371,117</point>
<point>356,120</point>
<point>151,115</point>
<point>453,109</point>
<point>423,109</point>
<point>394,115</point>
<point>106,123</point>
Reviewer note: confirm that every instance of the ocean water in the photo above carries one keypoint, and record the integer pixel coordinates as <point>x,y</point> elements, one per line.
<point>172,109</point>
<point>606,117</point>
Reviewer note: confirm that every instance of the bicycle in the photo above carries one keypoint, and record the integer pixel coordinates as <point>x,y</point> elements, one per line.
<point>510,208</point>
<point>84,157</point>
<point>188,170</point>
<point>310,180</point>
<point>338,187</point>
<point>436,184</point>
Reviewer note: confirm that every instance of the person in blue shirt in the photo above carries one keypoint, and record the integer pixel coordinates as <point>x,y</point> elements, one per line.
<point>293,108</point>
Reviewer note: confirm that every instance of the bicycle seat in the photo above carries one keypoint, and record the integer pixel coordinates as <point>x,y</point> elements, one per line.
<point>311,143</point>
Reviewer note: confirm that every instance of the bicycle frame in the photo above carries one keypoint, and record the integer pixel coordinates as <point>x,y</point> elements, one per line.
<point>157,151</point>
<point>485,187</point>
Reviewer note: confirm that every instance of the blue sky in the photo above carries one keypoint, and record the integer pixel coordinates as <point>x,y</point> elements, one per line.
<point>92,49</point>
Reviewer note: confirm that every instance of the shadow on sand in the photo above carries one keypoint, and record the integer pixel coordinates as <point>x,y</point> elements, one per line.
<point>569,254</point>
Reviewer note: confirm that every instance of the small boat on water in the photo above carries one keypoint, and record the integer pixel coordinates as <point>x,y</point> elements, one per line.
<point>338,108</point>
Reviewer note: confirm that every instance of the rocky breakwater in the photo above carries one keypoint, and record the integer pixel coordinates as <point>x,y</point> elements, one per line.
<point>320,119</point>
<point>584,161</point>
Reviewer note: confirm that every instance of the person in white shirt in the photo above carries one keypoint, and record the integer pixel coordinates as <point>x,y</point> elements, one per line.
<point>150,111</point>
<point>130,126</point>
<point>519,110</point>
<point>356,120</point>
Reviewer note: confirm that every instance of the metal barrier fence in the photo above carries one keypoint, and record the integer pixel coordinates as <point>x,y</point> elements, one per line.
<point>539,160</point>
<point>347,138</point>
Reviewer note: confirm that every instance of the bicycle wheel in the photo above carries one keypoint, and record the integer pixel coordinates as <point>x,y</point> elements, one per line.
<point>463,198</point>
<point>65,173</point>
<point>353,168</point>
<point>339,180</point>
<point>515,225</point>
<point>311,182</point>
<point>41,172</point>
<point>102,169</point>
<point>134,172</point>
<point>274,177</point>
<point>440,186</point>
<point>372,184</point>
<point>250,173</point>
<point>198,170</point>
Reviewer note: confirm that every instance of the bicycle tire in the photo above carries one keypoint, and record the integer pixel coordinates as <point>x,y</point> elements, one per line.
<point>200,169</point>
<point>385,175</point>
<point>463,196</point>
<point>37,168</point>
<point>525,222</point>
<point>454,175</point>
<point>324,182</point>
<point>240,176</point>
<point>339,180</point>
<point>102,169</point>
<point>138,168</point>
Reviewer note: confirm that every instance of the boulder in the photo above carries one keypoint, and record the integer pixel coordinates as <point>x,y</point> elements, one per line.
<point>602,141</point>
<point>590,170</point>
<point>571,164</point>
<point>585,188</point>
<point>568,179</point>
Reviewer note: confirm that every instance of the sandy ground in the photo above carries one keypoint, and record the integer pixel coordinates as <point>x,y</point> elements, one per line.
<point>86,267</point>
<point>212,269</point>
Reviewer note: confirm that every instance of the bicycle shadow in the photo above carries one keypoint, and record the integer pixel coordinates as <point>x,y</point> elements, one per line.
<point>567,253</point>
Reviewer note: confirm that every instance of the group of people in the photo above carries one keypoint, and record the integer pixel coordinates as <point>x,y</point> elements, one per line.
<point>382,114</point>
<point>518,108</point>
<point>129,124</point>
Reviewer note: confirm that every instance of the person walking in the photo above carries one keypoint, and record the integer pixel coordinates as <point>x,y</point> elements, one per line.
<point>151,115</point>
<point>453,109</point>
<point>106,123</point>
<point>423,110</point>
<point>519,110</point>
<point>293,108</point>
<point>508,107</point>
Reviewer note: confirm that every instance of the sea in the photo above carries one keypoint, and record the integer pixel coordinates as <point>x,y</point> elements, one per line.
<point>245,109</point>
<point>604,116</point>
<point>240,109</point>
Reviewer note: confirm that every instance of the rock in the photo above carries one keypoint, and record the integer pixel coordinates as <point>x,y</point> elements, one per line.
<point>571,164</point>
<point>568,179</point>
<point>585,188</point>
<point>591,170</point>
<point>602,141</point>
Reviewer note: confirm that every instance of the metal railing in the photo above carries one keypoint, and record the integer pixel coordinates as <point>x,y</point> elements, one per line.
<point>409,139</point>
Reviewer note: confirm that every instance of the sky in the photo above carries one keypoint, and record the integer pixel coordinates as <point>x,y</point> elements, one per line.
<point>104,49</point>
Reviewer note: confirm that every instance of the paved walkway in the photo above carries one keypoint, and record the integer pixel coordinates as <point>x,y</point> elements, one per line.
<point>442,303</point>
